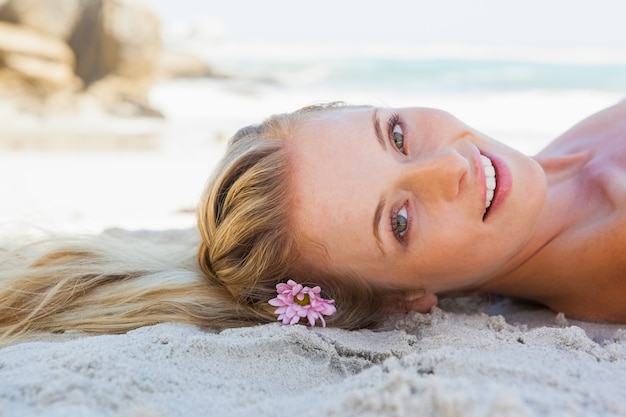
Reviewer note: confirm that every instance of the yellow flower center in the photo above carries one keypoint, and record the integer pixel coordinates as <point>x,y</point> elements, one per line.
<point>304,302</point>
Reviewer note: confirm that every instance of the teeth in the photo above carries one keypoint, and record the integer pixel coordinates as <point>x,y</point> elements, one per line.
<point>490,179</point>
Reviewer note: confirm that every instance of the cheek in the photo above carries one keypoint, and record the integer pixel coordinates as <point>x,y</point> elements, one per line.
<point>454,249</point>
<point>444,227</point>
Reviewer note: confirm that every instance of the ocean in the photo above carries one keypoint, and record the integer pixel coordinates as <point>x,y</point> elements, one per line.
<point>522,96</point>
<point>460,76</point>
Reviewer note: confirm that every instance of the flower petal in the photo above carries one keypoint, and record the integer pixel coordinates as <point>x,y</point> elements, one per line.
<point>280,310</point>
<point>276,302</point>
<point>290,297</point>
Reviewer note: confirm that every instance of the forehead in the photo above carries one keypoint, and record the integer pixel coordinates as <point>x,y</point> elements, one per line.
<point>336,196</point>
<point>332,120</point>
<point>327,153</point>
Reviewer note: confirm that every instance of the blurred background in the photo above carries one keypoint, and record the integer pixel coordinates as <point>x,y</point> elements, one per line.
<point>113,112</point>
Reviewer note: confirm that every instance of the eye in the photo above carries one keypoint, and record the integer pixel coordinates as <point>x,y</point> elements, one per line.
<point>400,223</point>
<point>398,137</point>
<point>396,134</point>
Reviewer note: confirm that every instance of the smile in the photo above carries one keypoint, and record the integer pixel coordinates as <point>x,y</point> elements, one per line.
<point>490,180</point>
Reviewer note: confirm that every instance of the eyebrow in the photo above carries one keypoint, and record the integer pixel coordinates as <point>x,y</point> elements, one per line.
<point>378,214</point>
<point>378,130</point>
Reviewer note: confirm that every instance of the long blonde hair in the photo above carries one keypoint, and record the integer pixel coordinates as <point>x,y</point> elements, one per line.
<point>116,282</point>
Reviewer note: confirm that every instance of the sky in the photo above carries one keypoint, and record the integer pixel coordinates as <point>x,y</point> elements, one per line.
<point>576,23</point>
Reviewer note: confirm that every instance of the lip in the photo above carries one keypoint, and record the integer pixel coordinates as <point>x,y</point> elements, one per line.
<point>504,181</point>
<point>480,178</point>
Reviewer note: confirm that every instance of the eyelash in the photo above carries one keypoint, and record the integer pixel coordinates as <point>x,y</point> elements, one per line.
<point>391,124</point>
<point>394,228</point>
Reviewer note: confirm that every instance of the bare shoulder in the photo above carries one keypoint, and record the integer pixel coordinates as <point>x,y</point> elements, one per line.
<point>598,123</point>
<point>606,127</point>
<point>591,282</point>
<point>591,278</point>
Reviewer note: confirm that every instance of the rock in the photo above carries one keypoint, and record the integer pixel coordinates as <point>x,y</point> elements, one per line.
<point>42,62</point>
<point>124,96</point>
<point>18,39</point>
<point>116,37</point>
<point>56,18</point>
<point>108,49</point>
<point>182,65</point>
<point>117,44</point>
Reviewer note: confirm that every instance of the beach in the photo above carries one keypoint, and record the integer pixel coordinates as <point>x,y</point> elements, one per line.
<point>471,356</point>
<point>465,361</point>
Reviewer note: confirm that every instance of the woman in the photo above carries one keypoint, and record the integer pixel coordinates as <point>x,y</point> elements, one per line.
<point>383,209</point>
<point>402,199</point>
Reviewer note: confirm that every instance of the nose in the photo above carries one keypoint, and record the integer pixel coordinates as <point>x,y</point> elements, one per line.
<point>437,175</point>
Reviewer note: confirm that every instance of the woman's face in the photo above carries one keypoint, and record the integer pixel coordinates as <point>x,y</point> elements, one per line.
<point>398,197</point>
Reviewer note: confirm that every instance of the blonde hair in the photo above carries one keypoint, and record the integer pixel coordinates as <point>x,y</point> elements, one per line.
<point>116,282</point>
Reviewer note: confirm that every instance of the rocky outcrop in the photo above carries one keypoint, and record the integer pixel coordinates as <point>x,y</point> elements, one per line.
<point>35,63</point>
<point>176,64</point>
<point>108,49</point>
<point>56,18</point>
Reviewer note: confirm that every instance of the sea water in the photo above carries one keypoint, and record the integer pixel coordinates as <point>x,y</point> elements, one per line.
<point>522,96</point>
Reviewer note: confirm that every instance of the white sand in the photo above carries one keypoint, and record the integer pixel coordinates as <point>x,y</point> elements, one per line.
<point>440,364</point>
<point>469,358</point>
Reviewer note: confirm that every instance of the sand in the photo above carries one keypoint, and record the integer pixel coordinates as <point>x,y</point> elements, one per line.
<point>466,361</point>
<point>469,357</point>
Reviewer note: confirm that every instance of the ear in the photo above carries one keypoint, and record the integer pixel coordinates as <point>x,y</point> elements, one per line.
<point>422,303</point>
<point>418,301</point>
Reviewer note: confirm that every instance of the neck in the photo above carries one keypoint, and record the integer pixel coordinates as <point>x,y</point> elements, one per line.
<point>559,213</point>
<point>559,168</point>
<point>562,207</point>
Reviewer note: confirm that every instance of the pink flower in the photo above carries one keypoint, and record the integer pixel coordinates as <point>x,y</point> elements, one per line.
<point>295,302</point>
